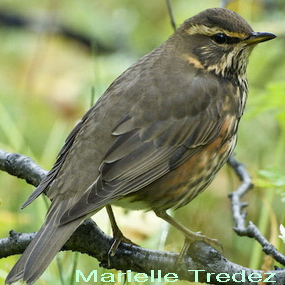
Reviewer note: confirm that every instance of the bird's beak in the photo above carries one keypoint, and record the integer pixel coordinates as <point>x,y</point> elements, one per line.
<point>258,37</point>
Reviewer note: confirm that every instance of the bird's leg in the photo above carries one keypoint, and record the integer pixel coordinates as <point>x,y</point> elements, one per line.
<point>117,234</point>
<point>189,235</point>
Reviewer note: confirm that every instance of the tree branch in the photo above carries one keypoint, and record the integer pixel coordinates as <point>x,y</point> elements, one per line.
<point>22,167</point>
<point>239,215</point>
<point>202,263</point>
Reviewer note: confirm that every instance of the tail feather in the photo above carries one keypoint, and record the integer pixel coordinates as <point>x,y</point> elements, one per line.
<point>40,252</point>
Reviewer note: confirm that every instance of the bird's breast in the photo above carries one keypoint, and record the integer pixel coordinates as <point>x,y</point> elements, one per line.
<point>182,184</point>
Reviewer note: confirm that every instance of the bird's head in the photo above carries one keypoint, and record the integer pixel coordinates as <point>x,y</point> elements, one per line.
<point>219,41</point>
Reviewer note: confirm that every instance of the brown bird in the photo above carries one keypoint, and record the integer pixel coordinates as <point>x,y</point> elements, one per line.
<point>155,139</point>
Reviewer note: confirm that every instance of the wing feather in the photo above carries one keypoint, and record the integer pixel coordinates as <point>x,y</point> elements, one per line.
<point>135,160</point>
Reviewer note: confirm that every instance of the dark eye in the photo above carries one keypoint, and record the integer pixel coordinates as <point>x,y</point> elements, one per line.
<point>220,38</point>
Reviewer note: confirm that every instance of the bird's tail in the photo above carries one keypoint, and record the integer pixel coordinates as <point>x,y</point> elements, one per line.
<point>40,252</point>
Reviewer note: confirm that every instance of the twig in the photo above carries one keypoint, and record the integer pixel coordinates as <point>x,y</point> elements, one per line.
<point>172,20</point>
<point>224,3</point>
<point>239,215</point>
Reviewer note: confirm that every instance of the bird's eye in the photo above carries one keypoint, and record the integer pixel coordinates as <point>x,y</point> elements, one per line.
<point>220,38</point>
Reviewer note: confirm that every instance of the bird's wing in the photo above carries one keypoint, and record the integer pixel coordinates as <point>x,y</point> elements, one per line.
<point>149,144</point>
<point>47,181</point>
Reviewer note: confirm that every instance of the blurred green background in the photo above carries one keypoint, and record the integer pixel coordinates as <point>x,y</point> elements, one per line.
<point>48,81</point>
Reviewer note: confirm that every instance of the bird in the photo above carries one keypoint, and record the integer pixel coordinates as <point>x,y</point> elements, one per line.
<point>155,139</point>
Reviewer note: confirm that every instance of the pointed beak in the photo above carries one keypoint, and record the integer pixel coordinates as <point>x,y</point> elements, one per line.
<point>258,37</point>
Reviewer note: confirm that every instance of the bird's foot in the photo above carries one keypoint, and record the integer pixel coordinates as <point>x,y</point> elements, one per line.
<point>118,238</point>
<point>192,237</point>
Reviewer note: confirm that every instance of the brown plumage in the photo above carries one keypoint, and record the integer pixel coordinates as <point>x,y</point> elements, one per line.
<point>157,136</point>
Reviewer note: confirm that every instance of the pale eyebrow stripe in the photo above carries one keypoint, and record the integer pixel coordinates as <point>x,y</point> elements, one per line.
<point>202,29</point>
